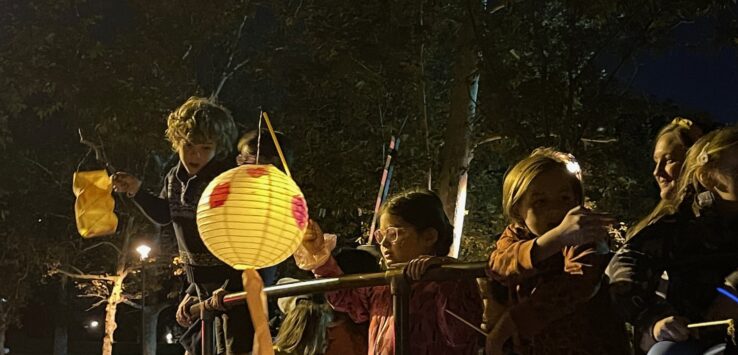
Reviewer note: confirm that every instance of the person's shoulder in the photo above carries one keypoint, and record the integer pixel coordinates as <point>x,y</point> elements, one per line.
<point>658,231</point>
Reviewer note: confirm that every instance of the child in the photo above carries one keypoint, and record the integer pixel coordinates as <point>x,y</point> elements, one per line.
<point>413,229</point>
<point>551,262</point>
<point>310,327</point>
<point>250,143</point>
<point>202,133</point>
<point>692,236</point>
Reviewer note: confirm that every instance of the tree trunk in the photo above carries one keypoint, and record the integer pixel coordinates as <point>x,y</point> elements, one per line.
<point>3,329</point>
<point>61,328</point>
<point>61,338</point>
<point>110,311</point>
<point>151,319</point>
<point>456,153</point>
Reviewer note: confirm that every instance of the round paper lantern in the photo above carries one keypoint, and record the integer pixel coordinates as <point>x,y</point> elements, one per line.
<point>252,216</point>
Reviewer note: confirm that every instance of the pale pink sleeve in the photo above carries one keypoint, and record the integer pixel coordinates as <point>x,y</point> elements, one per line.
<point>306,260</point>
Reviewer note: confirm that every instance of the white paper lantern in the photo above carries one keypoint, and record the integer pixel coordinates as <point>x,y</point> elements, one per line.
<point>252,216</point>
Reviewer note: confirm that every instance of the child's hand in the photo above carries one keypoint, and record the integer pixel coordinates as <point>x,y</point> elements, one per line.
<point>582,226</point>
<point>215,302</point>
<point>313,240</point>
<point>417,267</point>
<point>671,329</point>
<point>183,311</point>
<point>125,183</point>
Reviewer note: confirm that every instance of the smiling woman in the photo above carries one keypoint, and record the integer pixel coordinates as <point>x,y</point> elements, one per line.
<point>671,146</point>
<point>672,143</point>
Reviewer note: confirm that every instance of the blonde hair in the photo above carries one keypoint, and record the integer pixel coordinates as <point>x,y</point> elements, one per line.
<point>701,156</point>
<point>687,132</point>
<point>303,330</point>
<point>518,179</point>
<point>201,120</point>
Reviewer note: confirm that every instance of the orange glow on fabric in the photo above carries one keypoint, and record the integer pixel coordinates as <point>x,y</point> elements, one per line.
<point>255,298</point>
<point>94,204</point>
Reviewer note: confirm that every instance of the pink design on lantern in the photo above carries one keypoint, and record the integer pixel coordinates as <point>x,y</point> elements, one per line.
<point>220,194</point>
<point>257,172</point>
<point>299,211</point>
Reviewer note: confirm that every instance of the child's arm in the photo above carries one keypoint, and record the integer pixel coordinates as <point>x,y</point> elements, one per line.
<point>314,253</point>
<point>355,301</point>
<point>515,260</point>
<point>561,294</point>
<point>634,273</point>
<point>154,208</point>
<point>511,260</point>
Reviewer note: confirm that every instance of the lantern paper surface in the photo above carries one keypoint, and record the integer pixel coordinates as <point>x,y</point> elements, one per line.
<point>252,216</point>
<point>93,208</point>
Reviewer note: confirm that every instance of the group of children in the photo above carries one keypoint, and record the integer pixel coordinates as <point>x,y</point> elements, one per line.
<point>550,291</point>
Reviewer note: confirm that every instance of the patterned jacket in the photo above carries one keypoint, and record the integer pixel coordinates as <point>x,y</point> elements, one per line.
<point>176,204</point>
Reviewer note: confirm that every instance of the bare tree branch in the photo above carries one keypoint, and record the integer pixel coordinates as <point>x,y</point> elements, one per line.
<point>117,250</point>
<point>131,303</point>
<point>97,304</point>
<point>86,276</point>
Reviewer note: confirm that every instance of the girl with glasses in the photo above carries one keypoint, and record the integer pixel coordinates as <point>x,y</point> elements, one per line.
<point>413,229</point>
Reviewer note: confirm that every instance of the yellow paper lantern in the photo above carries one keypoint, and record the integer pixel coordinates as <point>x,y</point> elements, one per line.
<point>252,216</point>
<point>93,208</point>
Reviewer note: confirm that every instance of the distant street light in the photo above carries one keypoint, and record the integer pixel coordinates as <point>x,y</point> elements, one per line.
<point>144,251</point>
<point>94,324</point>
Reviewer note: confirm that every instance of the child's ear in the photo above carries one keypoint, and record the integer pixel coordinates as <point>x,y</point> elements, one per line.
<point>706,178</point>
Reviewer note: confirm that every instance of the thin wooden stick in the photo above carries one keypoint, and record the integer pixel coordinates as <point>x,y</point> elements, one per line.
<point>276,144</point>
<point>466,322</point>
<point>727,322</point>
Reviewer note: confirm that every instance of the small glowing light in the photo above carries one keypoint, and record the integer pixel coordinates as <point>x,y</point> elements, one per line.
<point>143,250</point>
<point>94,324</point>
<point>573,167</point>
<point>170,338</point>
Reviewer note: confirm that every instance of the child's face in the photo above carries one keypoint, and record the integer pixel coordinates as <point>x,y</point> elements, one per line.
<point>549,197</point>
<point>196,155</point>
<point>245,156</point>
<point>668,155</point>
<point>725,175</point>
<point>402,242</point>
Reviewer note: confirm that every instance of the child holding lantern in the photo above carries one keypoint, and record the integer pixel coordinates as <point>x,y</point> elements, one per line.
<point>202,133</point>
<point>413,229</point>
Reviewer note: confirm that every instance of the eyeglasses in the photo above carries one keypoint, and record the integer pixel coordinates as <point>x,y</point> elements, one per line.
<point>391,234</point>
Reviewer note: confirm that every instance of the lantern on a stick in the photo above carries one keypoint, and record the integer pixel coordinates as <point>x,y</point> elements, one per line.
<point>252,216</point>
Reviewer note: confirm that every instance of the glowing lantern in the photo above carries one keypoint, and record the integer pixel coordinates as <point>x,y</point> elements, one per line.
<point>93,208</point>
<point>252,216</point>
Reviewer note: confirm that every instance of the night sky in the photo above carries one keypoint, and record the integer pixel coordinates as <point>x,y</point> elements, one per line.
<point>698,74</point>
